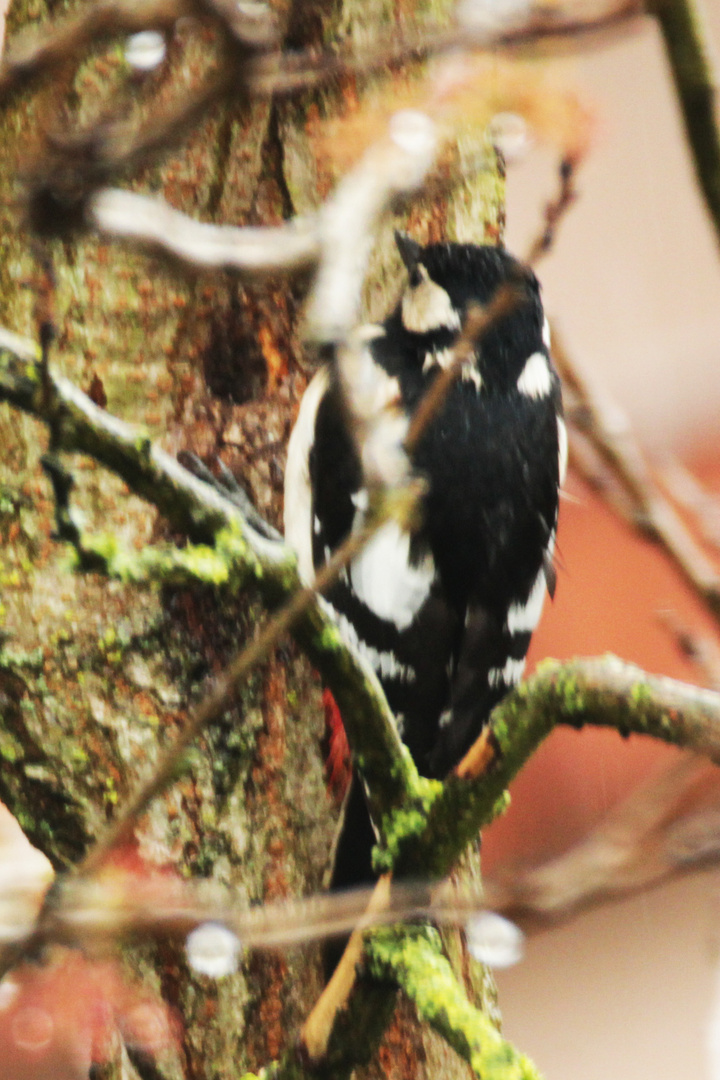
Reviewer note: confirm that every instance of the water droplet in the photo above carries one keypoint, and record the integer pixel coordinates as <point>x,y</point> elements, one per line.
<point>213,950</point>
<point>494,940</point>
<point>146,50</point>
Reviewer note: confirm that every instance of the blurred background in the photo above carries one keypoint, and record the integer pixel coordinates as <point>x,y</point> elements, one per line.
<point>633,283</point>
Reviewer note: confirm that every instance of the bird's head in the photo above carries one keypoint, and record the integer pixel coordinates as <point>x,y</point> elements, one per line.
<point>444,279</point>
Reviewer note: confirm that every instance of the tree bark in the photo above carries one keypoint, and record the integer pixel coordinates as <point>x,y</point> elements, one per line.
<point>96,676</point>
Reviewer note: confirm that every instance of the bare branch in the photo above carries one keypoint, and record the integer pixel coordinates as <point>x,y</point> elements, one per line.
<point>253,251</point>
<point>701,649</point>
<point>39,52</point>
<point>689,493</point>
<point>555,211</point>
<point>397,165</point>
<point>653,515</point>
<point>93,913</point>
<point>668,828</point>
<point>542,30</point>
<point>603,692</point>
<point>687,43</point>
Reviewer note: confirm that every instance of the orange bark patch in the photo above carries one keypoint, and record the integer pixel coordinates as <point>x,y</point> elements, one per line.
<point>275,360</point>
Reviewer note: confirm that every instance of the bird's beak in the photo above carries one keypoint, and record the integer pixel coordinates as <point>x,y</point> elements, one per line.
<point>409,250</point>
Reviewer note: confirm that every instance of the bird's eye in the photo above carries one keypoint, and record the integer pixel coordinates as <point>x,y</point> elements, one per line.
<point>415,277</point>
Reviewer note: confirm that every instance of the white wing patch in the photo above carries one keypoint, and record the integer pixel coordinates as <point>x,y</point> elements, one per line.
<point>383,662</point>
<point>297,512</point>
<point>385,580</point>
<point>510,675</point>
<point>523,618</point>
<point>428,307</point>
<point>535,380</point>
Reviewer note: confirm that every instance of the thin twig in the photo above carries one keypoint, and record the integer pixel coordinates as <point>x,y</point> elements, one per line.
<point>603,692</point>
<point>477,322</point>
<point>653,515</point>
<point>702,650</point>
<point>33,53</point>
<point>91,912</point>
<point>317,1029</point>
<point>687,43</point>
<point>554,212</point>
<point>290,74</point>
<point>668,828</point>
<point>36,53</point>
<point>690,494</point>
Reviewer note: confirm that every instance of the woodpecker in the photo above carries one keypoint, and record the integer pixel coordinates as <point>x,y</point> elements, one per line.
<point>444,615</point>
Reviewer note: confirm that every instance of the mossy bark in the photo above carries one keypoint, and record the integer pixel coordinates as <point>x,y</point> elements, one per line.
<point>95,676</point>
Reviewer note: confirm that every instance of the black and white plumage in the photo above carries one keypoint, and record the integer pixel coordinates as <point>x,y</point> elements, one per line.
<point>444,616</point>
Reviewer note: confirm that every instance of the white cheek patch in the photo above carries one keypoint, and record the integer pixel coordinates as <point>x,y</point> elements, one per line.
<point>562,449</point>
<point>384,579</point>
<point>428,307</point>
<point>535,380</point>
<point>523,618</point>
<point>298,515</point>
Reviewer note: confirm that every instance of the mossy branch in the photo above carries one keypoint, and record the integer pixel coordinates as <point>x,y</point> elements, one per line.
<point>412,957</point>
<point>224,536</point>
<point>604,692</point>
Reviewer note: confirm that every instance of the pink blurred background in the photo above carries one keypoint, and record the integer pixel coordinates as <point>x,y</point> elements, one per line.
<point>634,285</point>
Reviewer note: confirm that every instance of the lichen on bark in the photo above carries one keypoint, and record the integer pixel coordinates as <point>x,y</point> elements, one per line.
<point>97,675</point>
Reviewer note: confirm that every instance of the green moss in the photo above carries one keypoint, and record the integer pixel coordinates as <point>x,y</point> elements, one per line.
<point>330,639</point>
<point>412,956</point>
<point>110,794</point>
<point>405,823</point>
<point>25,820</point>
<point>640,695</point>
<point>571,694</point>
<point>10,749</point>
<point>21,660</point>
<point>143,445</point>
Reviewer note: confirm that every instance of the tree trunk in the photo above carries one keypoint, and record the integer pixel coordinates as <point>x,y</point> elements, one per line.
<point>95,676</point>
